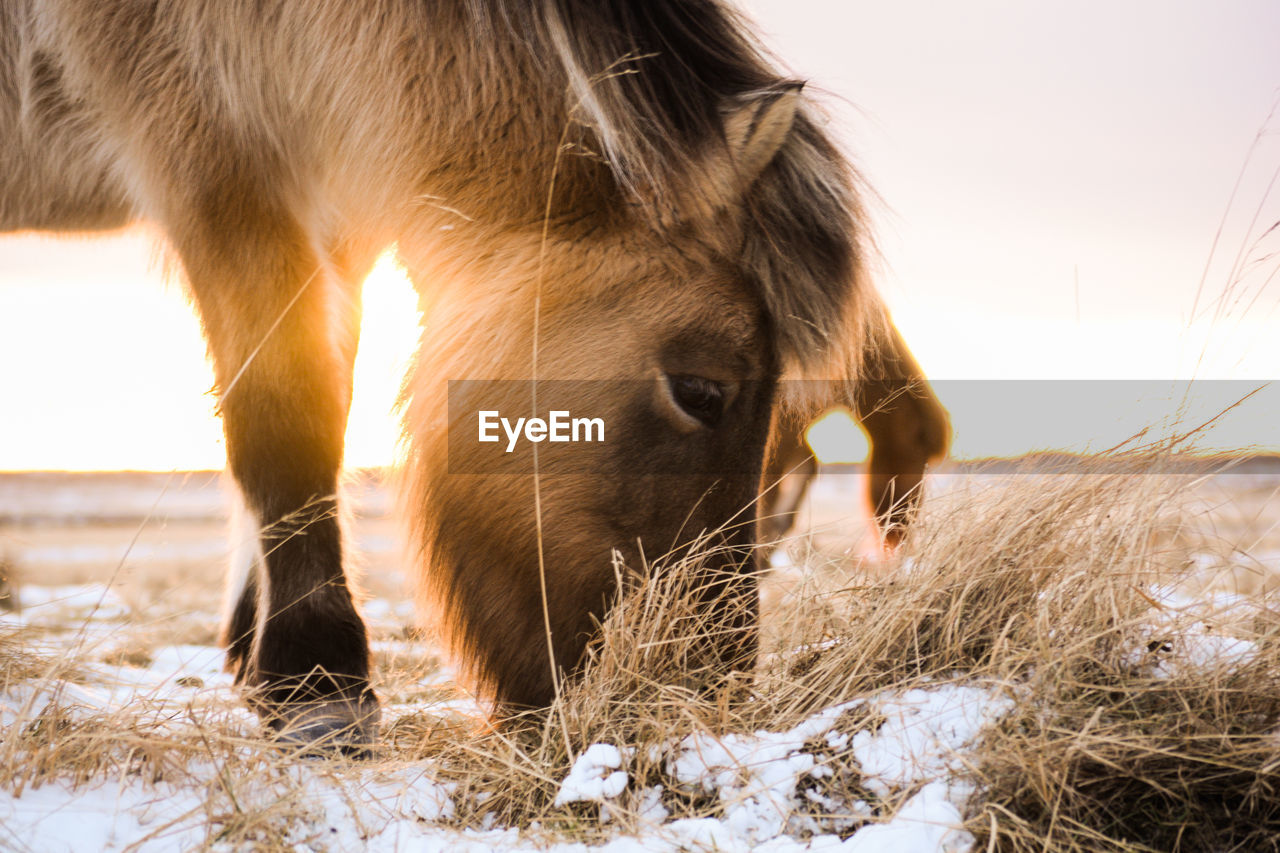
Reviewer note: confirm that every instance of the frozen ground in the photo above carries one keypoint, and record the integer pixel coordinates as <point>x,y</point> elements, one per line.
<point>911,756</point>
<point>131,640</point>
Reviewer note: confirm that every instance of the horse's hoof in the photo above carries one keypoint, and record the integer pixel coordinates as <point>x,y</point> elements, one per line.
<point>327,729</point>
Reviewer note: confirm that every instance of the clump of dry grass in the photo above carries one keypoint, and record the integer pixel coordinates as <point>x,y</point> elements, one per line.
<point>21,662</point>
<point>1052,586</point>
<point>1142,723</point>
<point>1114,761</point>
<point>1000,579</point>
<point>649,680</point>
<point>1047,585</point>
<point>1056,586</point>
<point>206,754</point>
<point>8,585</point>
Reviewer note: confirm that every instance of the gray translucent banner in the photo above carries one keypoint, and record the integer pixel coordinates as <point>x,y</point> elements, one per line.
<point>629,428</point>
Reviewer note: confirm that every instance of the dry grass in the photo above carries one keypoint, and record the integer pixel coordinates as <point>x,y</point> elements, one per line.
<point>1046,585</point>
<point>1052,589</point>
<point>1107,760</point>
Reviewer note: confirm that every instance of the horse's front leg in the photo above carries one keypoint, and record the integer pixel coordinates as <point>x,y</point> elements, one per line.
<point>908,430</point>
<point>279,330</point>
<point>789,469</point>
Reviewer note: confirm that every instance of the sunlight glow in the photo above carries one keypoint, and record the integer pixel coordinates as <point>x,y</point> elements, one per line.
<point>836,438</point>
<point>388,339</point>
<point>105,368</point>
<point>1033,218</point>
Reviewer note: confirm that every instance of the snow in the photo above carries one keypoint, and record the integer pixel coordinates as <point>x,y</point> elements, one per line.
<point>25,702</point>
<point>61,555</point>
<point>758,777</point>
<point>188,662</point>
<point>55,497</point>
<point>923,734</point>
<point>106,816</point>
<point>928,821</point>
<point>1186,634</point>
<point>596,776</point>
<point>382,610</point>
<point>765,791</point>
<point>1193,648</point>
<point>60,604</point>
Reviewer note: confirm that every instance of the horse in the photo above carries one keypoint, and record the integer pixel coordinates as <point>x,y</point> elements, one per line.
<point>626,192</point>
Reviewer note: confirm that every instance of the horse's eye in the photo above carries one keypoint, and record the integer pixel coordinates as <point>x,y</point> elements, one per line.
<point>699,398</point>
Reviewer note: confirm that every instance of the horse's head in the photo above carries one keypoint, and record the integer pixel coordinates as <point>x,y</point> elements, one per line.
<point>669,322</point>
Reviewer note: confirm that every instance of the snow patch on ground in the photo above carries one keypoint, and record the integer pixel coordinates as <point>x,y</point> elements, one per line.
<point>923,734</point>
<point>596,776</point>
<point>755,776</point>
<point>760,779</point>
<point>764,790</point>
<point>1194,634</point>
<point>58,605</point>
<point>104,816</point>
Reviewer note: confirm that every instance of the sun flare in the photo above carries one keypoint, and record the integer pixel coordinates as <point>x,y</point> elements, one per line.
<point>388,337</point>
<point>106,367</point>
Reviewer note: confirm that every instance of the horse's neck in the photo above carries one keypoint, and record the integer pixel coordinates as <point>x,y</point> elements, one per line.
<point>489,131</point>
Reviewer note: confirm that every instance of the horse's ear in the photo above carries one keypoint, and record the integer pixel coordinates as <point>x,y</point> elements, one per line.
<point>755,128</point>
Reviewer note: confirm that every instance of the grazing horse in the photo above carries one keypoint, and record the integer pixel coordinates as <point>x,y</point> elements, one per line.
<point>623,192</point>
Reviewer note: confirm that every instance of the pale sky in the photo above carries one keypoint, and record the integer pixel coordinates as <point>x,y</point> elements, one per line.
<point>1051,178</point>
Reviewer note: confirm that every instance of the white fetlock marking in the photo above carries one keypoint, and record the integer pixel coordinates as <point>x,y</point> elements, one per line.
<point>246,555</point>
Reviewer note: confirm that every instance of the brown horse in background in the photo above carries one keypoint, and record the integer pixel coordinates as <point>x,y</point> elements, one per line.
<point>907,427</point>
<point>616,191</point>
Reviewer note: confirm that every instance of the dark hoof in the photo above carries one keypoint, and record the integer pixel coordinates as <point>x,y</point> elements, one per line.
<point>327,729</point>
